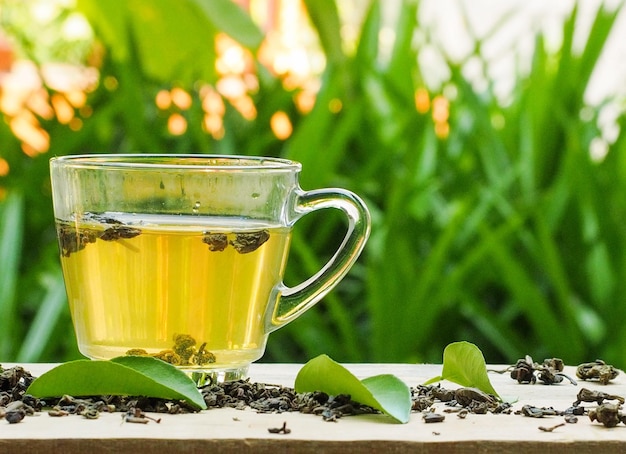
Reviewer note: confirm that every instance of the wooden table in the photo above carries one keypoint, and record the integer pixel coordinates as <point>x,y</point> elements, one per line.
<point>242,431</point>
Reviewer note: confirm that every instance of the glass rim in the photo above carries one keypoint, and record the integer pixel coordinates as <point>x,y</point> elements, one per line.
<point>201,162</point>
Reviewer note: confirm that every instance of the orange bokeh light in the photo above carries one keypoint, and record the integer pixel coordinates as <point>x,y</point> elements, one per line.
<point>305,101</point>
<point>422,100</point>
<point>335,105</point>
<point>245,106</point>
<point>442,130</point>
<point>441,109</point>
<point>212,102</point>
<point>38,103</point>
<point>281,125</point>
<point>62,108</point>
<point>181,98</point>
<point>176,124</point>
<point>214,125</point>
<point>26,128</point>
<point>76,98</point>
<point>163,100</point>
<point>76,124</point>
<point>4,167</point>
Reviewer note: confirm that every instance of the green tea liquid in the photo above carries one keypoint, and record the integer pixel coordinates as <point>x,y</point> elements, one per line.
<point>135,284</point>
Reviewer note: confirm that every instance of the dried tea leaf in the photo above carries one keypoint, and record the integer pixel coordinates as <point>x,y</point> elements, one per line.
<point>464,364</point>
<point>119,231</point>
<point>597,370</point>
<point>203,356</point>
<point>182,353</point>
<point>123,376</point>
<point>217,241</point>
<point>73,240</point>
<point>250,241</point>
<point>386,392</point>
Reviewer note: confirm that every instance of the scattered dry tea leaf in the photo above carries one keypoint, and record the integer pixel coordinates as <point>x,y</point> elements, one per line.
<point>551,428</point>
<point>597,370</point>
<point>280,430</point>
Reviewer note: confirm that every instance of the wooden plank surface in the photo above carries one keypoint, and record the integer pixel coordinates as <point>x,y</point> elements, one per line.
<point>242,431</point>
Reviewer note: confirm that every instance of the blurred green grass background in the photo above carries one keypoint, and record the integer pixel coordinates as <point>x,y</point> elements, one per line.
<point>496,219</point>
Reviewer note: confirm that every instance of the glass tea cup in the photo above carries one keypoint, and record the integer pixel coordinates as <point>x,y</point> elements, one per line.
<point>182,257</point>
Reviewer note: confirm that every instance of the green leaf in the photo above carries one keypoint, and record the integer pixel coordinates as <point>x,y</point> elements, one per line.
<point>11,235</point>
<point>41,330</point>
<point>367,50</point>
<point>464,364</point>
<point>126,375</point>
<point>386,392</point>
<point>167,40</point>
<point>227,16</point>
<point>325,17</point>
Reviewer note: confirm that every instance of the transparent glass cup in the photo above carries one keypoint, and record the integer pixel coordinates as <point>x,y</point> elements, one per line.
<point>182,257</point>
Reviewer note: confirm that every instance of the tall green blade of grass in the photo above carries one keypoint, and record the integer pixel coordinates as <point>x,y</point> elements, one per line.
<point>552,263</point>
<point>11,228</point>
<point>366,55</point>
<point>164,40</point>
<point>227,16</point>
<point>576,70</point>
<point>614,167</point>
<point>524,292</point>
<point>339,314</point>
<point>490,327</point>
<point>320,142</point>
<point>433,271</point>
<point>401,71</point>
<point>325,17</point>
<point>40,332</point>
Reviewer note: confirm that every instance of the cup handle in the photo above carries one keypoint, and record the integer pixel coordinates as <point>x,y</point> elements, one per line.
<point>293,301</point>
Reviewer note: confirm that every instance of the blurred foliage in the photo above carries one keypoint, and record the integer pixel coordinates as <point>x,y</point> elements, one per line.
<point>492,222</point>
<point>46,31</point>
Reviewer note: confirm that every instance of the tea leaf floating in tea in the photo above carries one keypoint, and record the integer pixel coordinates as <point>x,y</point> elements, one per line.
<point>249,242</point>
<point>169,356</point>
<point>119,231</point>
<point>73,240</point>
<point>183,353</point>
<point>243,243</point>
<point>202,356</point>
<point>217,241</point>
<point>128,375</point>
<point>184,346</point>
<point>386,392</point>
